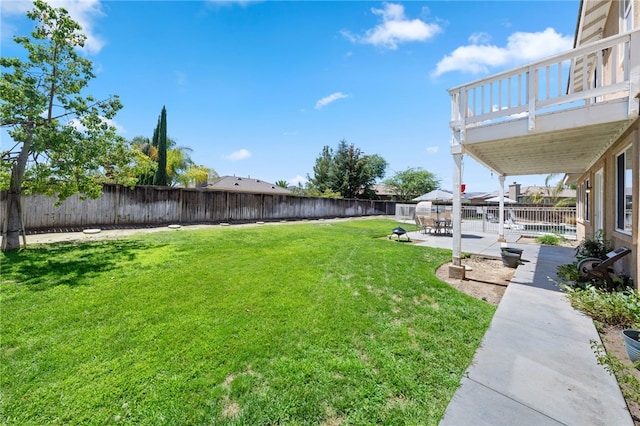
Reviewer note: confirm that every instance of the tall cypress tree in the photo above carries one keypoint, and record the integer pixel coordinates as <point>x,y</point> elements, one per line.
<point>160,135</point>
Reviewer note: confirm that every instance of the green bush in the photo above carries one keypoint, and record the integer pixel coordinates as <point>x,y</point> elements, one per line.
<point>549,239</point>
<point>598,247</point>
<point>618,308</point>
<point>568,272</point>
<point>629,383</point>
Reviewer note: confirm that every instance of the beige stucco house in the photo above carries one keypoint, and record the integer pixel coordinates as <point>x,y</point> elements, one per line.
<point>575,113</point>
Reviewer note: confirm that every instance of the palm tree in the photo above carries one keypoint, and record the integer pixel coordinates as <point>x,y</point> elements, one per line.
<point>554,192</point>
<point>180,167</point>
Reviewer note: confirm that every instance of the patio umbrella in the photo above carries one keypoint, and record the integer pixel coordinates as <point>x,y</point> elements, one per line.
<point>497,200</point>
<point>435,195</point>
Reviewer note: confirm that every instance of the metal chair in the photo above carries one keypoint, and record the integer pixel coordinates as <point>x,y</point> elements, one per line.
<point>593,268</point>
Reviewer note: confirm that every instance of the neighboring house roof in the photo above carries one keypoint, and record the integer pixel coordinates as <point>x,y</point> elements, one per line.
<point>245,184</point>
<point>547,192</point>
<point>468,196</point>
<point>525,191</point>
<point>383,190</point>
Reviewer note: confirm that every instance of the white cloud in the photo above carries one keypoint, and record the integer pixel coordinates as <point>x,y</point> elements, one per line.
<point>329,99</point>
<point>239,155</point>
<point>242,3</point>
<point>394,29</point>
<point>432,149</point>
<point>297,180</point>
<point>119,127</point>
<point>76,124</point>
<point>480,57</point>
<point>478,38</point>
<point>84,12</point>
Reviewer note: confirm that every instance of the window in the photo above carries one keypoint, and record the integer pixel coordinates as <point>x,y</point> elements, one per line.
<point>624,190</point>
<point>580,202</point>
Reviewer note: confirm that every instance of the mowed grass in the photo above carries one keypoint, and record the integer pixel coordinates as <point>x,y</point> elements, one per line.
<point>310,323</point>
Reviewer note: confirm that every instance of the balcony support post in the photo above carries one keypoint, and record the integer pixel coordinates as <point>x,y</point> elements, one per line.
<point>501,210</point>
<point>456,219</point>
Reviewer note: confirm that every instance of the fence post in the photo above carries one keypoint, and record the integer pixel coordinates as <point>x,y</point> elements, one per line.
<point>117,205</point>
<point>484,218</point>
<point>180,205</point>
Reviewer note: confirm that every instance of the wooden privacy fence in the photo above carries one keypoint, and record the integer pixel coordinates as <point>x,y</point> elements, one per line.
<point>153,205</point>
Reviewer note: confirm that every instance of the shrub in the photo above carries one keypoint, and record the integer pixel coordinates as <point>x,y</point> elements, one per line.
<point>618,308</point>
<point>598,247</point>
<point>629,383</point>
<point>549,239</point>
<point>568,272</point>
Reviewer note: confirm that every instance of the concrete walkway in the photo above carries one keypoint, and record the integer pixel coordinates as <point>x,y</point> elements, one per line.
<point>535,365</point>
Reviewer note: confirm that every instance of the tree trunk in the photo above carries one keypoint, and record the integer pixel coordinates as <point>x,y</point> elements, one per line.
<point>12,223</point>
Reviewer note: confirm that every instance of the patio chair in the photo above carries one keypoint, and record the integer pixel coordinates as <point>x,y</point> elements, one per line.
<point>429,225</point>
<point>511,222</point>
<point>593,268</point>
<point>425,223</point>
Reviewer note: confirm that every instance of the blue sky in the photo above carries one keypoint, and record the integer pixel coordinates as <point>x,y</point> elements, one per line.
<point>258,88</point>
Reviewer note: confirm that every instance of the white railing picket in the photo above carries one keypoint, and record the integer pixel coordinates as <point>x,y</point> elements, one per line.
<point>485,99</point>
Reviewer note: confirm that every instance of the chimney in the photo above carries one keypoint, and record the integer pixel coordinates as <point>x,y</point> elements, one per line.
<point>514,191</point>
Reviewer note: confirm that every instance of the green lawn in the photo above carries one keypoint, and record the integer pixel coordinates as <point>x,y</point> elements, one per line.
<point>296,324</point>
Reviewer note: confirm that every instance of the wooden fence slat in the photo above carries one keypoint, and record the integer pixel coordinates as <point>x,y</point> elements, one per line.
<point>152,205</point>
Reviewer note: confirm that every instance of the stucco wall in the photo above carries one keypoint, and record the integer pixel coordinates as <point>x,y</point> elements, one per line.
<point>586,229</point>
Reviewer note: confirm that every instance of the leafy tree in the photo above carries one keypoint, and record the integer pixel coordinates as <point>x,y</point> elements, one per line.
<point>310,191</point>
<point>64,142</point>
<point>282,183</point>
<point>322,170</point>
<point>178,161</point>
<point>347,171</point>
<point>556,190</point>
<point>180,167</point>
<point>145,148</point>
<point>197,175</point>
<point>412,183</point>
<point>160,141</point>
<point>551,194</point>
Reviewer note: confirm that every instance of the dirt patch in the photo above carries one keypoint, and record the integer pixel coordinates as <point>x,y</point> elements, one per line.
<point>485,278</point>
<point>561,243</point>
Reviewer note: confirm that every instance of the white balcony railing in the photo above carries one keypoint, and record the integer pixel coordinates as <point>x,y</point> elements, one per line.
<point>606,70</point>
